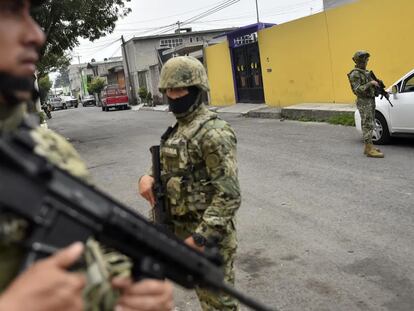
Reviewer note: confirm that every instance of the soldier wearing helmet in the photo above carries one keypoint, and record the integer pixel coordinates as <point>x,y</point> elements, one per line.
<point>48,285</point>
<point>364,87</point>
<point>198,170</point>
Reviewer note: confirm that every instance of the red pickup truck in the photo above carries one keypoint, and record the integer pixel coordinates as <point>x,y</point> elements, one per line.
<point>113,96</point>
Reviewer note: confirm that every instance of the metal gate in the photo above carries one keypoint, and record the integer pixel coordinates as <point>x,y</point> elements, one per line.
<point>248,73</point>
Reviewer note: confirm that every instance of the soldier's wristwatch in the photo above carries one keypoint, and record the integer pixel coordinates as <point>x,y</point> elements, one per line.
<point>199,240</point>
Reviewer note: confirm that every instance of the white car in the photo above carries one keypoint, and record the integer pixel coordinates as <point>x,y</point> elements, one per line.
<point>396,120</point>
<point>70,101</point>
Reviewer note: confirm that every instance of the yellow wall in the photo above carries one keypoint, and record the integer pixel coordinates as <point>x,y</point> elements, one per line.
<point>296,62</point>
<point>220,74</point>
<point>384,28</point>
<point>310,57</point>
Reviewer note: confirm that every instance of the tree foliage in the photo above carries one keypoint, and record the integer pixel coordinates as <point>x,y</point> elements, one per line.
<point>142,93</point>
<point>62,80</point>
<point>44,87</point>
<point>65,21</point>
<point>96,85</point>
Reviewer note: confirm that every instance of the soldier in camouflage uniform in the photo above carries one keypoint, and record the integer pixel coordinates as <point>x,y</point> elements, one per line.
<point>199,171</point>
<point>47,285</point>
<point>364,87</point>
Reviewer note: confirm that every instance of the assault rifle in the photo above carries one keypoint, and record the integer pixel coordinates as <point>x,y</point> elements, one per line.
<point>161,214</point>
<point>381,89</point>
<point>61,209</point>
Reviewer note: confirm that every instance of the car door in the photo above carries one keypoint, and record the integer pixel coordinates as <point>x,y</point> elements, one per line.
<point>402,114</point>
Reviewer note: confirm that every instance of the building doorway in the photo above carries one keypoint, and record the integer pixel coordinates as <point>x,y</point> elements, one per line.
<point>245,56</point>
<point>248,73</point>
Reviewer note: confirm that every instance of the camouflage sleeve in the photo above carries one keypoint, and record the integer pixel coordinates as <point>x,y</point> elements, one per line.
<point>102,264</point>
<point>359,88</point>
<point>219,153</point>
<point>59,152</point>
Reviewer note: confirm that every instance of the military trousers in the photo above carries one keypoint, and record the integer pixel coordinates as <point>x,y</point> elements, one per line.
<point>210,301</point>
<point>366,108</point>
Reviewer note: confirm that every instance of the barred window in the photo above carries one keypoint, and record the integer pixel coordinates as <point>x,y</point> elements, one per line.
<point>171,43</point>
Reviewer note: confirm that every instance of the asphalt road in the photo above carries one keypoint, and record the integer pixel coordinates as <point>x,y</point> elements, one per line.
<point>321,227</point>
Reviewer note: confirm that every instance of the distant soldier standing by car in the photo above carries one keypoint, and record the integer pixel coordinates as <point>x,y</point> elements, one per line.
<point>364,87</point>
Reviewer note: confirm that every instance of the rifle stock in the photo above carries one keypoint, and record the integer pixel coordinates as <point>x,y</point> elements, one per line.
<point>61,209</point>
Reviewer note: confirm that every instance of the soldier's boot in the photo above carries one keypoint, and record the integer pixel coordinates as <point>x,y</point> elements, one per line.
<point>375,148</point>
<point>372,152</point>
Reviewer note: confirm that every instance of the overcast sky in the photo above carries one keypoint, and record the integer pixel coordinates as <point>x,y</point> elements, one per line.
<point>149,16</point>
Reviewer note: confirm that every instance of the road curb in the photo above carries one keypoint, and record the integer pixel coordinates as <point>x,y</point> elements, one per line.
<point>314,115</point>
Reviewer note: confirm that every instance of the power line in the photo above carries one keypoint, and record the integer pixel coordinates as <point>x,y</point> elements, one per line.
<point>209,12</point>
<point>166,17</point>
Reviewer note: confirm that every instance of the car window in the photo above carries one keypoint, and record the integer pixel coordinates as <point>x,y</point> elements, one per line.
<point>409,85</point>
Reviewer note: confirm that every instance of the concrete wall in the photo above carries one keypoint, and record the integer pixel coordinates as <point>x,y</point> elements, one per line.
<point>142,55</point>
<point>220,74</point>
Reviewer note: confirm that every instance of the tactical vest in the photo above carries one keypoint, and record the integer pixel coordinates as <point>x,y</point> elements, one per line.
<point>365,78</point>
<point>184,172</point>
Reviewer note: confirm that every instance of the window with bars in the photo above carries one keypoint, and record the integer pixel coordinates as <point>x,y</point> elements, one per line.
<point>142,79</point>
<point>171,43</point>
<point>245,39</point>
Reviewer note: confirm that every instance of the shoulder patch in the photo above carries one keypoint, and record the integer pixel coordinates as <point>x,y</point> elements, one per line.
<point>212,160</point>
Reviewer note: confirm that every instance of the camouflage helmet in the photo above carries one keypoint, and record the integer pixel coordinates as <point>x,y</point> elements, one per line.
<point>360,56</point>
<point>183,71</point>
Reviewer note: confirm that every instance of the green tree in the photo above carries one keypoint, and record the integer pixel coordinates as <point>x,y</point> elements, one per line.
<point>65,21</point>
<point>44,87</point>
<point>96,86</point>
<point>143,93</point>
<point>62,79</point>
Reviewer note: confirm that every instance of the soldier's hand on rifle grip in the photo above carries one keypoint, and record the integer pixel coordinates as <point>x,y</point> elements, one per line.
<point>190,242</point>
<point>375,83</point>
<point>148,295</point>
<point>47,285</point>
<point>145,185</point>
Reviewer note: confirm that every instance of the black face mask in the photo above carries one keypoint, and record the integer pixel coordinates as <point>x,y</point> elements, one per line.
<point>9,85</point>
<point>183,104</point>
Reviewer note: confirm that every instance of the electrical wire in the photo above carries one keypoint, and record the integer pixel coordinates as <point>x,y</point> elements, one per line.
<point>209,12</point>
<point>166,17</point>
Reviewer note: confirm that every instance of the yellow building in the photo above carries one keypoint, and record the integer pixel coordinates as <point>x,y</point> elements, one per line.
<point>307,60</point>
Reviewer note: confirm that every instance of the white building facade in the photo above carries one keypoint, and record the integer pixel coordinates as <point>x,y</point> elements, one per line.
<point>146,55</point>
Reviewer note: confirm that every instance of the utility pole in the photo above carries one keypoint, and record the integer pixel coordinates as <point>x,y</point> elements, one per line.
<point>178,27</point>
<point>257,12</point>
<point>131,84</point>
<point>82,90</point>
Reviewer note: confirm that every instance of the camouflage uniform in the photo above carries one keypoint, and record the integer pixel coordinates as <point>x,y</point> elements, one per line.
<point>199,170</point>
<point>102,264</point>
<point>360,83</point>
<point>360,80</point>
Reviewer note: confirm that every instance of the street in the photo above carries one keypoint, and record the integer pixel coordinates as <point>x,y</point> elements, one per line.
<point>321,226</point>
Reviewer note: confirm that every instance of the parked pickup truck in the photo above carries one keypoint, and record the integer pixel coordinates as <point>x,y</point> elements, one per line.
<point>113,96</point>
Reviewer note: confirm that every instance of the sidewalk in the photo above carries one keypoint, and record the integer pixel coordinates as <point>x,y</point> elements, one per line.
<point>305,111</point>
